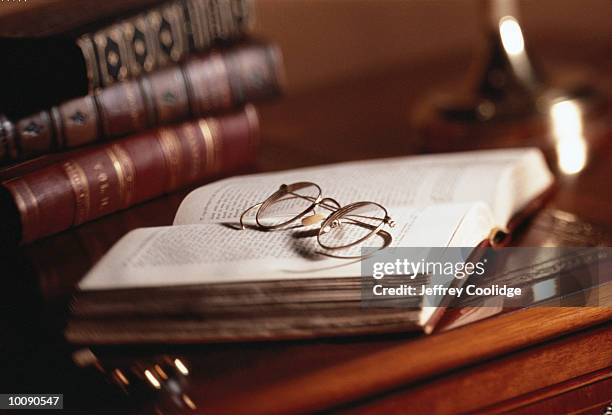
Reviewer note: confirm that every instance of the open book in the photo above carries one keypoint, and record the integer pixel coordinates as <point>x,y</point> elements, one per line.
<point>202,279</point>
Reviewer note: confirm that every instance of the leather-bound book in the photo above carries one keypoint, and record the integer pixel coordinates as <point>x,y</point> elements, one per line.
<point>39,72</point>
<point>114,176</point>
<point>201,86</point>
<point>206,280</point>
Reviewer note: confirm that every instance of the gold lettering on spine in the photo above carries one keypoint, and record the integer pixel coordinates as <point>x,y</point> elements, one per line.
<point>91,65</point>
<point>103,186</point>
<point>174,15</point>
<point>132,95</point>
<point>100,41</point>
<point>201,38</point>
<point>117,35</point>
<point>209,145</point>
<point>171,149</point>
<point>124,169</point>
<point>129,172</point>
<point>154,20</point>
<point>128,31</point>
<point>80,187</point>
<point>151,41</point>
<point>195,149</point>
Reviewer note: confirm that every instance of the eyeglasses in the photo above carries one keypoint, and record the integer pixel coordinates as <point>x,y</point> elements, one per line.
<point>342,228</point>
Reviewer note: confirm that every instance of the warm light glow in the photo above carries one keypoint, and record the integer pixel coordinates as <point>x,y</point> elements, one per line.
<point>567,129</point>
<point>152,379</point>
<point>572,156</point>
<point>121,377</point>
<point>181,367</point>
<point>513,43</point>
<point>161,372</point>
<point>189,402</point>
<point>566,118</point>
<point>85,357</point>
<point>511,36</point>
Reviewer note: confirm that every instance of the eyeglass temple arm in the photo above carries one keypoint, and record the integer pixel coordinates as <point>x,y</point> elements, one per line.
<point>387,219</point>
<point>242,227</point>
<point>321,203</point>
<point>329,207</point>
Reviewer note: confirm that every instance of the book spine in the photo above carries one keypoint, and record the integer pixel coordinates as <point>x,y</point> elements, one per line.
<point>160,36</point>
<point>117,175</point>
<point>200,86</point>
<point>40,72</point>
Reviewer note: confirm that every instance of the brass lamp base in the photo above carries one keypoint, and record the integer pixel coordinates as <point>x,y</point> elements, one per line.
<point>508,93</point>
<point>481,109</point>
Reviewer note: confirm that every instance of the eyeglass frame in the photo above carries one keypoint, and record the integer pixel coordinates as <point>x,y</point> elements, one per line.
<point>329,222</point>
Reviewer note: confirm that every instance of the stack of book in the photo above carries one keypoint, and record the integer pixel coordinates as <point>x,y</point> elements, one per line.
<point>204,280</point>
<point>155,102</point>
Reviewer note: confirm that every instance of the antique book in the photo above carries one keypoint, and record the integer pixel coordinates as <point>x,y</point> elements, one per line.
<point>116,175</point>
<point>203,280</point>
<point>40,72</point>
<point>201,86</point>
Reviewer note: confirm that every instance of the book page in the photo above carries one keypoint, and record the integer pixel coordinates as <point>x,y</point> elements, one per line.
<point>519,184</point>
<point>425,180</point>
<point>214,252</point>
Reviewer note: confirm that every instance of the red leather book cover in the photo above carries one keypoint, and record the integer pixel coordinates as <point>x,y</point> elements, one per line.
<point>116,175</point>
<point>203,85</point>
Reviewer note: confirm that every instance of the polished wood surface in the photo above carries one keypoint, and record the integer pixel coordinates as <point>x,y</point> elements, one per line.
<point>509,362</point>
<point>422,358</point>
<point>500,376</point>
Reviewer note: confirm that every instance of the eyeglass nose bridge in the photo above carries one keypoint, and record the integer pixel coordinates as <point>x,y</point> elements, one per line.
<point>313,219</point>
<point>310,216</point>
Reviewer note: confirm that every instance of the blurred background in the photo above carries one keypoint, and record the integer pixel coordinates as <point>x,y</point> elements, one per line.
<point>358,71</point>
<point>326,41</point>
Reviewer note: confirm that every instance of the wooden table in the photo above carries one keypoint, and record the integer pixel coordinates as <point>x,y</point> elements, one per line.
<point>541,360</point>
